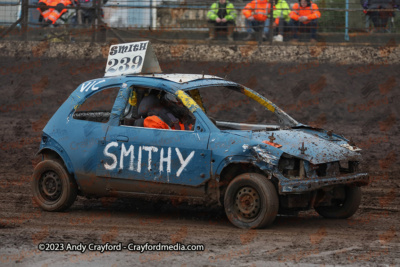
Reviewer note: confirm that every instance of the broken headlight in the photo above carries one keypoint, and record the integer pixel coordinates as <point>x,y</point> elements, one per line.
<point>295,168</point>
<point>349,166</point>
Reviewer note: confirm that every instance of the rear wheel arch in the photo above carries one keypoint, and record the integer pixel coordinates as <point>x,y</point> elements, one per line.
<point>50,154</point>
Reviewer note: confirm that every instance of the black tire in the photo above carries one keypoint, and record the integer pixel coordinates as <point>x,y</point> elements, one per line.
<point>343,209</point>
<point>251,201</point>
<point>53,187</point>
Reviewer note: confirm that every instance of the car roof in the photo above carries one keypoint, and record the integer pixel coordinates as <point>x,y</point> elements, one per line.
<point>178,77</point>
<point>167,82</point>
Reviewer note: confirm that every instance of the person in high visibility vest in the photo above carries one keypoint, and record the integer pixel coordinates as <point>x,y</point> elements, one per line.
<point>51,10</point>
<point>304,16</point>
<point>281,18</point>
<point>221,16</point>
<point>256,13</point>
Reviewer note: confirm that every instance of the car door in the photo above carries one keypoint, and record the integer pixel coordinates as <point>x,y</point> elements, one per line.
<point>145,160</point>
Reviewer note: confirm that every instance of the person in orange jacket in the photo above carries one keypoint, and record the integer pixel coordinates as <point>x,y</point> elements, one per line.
<point>51,10</point>
<point>172,114</point>
<point>304,16</point>
<point>256,13</point>
<point>156,122</point>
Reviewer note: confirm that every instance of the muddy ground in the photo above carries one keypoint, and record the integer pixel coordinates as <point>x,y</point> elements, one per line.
<point>359,101</point>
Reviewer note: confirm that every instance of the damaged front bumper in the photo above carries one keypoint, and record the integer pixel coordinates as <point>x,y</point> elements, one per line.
<point>305,185</point>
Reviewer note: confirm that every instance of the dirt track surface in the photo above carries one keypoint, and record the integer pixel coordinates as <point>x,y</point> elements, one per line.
<point>359,101</point>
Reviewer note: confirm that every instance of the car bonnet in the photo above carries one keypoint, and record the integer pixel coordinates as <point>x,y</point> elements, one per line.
<point>309,145</point>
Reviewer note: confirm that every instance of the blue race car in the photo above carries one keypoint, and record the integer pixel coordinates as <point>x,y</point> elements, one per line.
<point>113,137</point>
<point>253,170</point>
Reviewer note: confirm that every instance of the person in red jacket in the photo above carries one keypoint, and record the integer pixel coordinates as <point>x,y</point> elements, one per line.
<point>256,13</point>
<point>304,16</point>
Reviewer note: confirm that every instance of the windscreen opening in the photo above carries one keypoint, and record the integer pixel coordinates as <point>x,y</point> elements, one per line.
<point>231,108</point>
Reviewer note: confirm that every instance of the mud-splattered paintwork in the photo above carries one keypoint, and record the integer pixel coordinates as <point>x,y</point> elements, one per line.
<point>106,157</point>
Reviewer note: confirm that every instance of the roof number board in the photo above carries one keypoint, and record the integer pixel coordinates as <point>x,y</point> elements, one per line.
<point>131,58</point>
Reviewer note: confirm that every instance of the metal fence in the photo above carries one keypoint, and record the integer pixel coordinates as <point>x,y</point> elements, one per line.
<point>97,20</point>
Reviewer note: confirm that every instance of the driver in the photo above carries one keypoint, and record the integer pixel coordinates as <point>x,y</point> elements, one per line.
<point>172,114</point>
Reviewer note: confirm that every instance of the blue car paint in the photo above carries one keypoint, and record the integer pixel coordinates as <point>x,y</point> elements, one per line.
<point>319,150</point>
<point>82,144</point>
<point>177,143</point>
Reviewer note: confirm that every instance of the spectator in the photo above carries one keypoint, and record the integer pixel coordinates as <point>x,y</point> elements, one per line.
<point>51,10</point>
<point>281,16</point>
<point>364,4</point>
<point>304,16</point>
<point>221,16</point>
<point>256,13</point>
<point>379,18</point>
<point>87,14</point>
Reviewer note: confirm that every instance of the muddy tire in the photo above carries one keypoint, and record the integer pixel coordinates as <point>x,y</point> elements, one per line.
<point>343,209</point>
<point>251,201</point>
<point>53,187</point>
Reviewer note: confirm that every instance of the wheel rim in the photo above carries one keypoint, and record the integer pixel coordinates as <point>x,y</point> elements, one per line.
<point>50,186</point>
<point>247,203</point>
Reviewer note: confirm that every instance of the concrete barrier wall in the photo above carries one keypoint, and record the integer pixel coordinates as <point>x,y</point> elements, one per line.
<point>323,53</point>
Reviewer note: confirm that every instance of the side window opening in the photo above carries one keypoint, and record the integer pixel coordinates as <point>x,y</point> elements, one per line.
<point>97,108</point>
<point>132,116</point>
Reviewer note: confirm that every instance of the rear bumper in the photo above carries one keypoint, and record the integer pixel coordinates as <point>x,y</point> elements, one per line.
<point>305,185</point>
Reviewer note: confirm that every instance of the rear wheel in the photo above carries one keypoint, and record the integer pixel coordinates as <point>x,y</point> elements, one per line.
<point>53,187</point>
<point>342,208</point>
<point>251,201</point>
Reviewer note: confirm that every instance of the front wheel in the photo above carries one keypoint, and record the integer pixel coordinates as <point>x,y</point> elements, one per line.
<point>251,201</point>
<point>53,187</point>
<point>343,208</point>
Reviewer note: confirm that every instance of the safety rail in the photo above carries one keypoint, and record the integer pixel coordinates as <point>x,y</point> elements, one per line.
<point>128,19</point>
